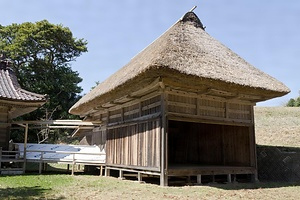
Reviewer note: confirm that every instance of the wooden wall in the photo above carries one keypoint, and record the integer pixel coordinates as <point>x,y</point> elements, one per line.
<point>203,129</point>
<point>134,110</point>
<point>208,144</point>
<point>191,105</point>
<point>132,133</point>
<point>4,129</point>
<point>135,145</point>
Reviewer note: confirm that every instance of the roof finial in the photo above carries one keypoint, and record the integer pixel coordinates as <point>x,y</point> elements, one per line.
<point>193,8</point>
<point>4,61</point>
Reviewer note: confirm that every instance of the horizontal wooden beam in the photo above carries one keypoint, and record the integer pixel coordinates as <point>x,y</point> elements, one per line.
<point>208,120</point>
<point>148,170</point>
<point>59,122</point>
<point>134,121</point>
<point>209,170</point>
<point>210,93</point>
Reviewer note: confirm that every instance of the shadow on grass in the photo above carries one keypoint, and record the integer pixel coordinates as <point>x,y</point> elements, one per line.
<point>34,167</point>
<point>24,193</point>
<point>259,185</point>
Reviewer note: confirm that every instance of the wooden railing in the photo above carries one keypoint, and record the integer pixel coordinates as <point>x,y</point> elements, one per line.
<point>72,161</point>
<point>16,156</point>
<point>11,157</point>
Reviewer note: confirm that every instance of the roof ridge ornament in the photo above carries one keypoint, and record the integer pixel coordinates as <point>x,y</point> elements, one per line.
<point>192,17</point>
<point>4,61</point>
<point>192,10</point>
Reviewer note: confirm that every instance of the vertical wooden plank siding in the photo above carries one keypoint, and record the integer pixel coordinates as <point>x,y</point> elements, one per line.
<point>134,145</point>
<point>4,134</point>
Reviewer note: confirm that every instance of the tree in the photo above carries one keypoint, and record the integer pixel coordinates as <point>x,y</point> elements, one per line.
<point>291,103</point>
<point>41,53</point>
<point>294,102</point>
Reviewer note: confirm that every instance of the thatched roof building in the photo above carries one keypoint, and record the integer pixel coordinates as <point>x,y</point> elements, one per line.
<point>190,56</point>
<point>181,107</point>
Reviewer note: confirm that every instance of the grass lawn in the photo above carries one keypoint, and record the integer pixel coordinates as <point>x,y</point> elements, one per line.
<point>94,187</point>
<point>277,126</point>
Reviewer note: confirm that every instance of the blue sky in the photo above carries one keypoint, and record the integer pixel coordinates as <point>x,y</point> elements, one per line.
<point>265,33</point>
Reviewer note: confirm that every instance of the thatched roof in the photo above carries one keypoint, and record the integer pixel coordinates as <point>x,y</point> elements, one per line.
<point>185,51</point>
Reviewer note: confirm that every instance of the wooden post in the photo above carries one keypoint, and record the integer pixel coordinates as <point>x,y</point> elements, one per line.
<point>45,167</point>
<point>253,153</point>
<point>229,178</point>
<point>73,165</point>
<point>234,178</point>
<point>25,148</point>
<point>121,174</point>
<point>199,181</point>
<point>107,171</point>
<point>68,167</point>
<point>101,170</point>
<point>41,163</point>
<point>213,179</point>
<point>0,159</point>
<point>163,172</point>
<point>139,177</point>
<point>188,179</point>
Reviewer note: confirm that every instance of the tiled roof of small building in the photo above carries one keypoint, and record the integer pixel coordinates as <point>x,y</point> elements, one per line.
<point>10,89</point>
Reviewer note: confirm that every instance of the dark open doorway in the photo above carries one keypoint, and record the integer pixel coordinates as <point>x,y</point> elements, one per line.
<point>204,144</point>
